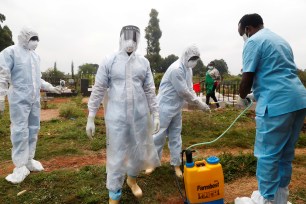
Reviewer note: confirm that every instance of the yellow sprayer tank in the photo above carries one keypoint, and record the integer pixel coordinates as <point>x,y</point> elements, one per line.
<point>204,181</point>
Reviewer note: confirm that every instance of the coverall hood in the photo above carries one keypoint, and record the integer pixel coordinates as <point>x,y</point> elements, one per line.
<point>189,52</point>
<point>25,36</point>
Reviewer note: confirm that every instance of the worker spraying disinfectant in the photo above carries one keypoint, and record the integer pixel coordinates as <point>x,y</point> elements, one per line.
<point>204,180</point>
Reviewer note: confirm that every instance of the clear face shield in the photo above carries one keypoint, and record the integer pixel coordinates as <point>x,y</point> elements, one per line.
<point>129,38</point>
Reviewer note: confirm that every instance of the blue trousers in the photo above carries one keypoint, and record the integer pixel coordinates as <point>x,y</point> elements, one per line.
<point>274,148</point>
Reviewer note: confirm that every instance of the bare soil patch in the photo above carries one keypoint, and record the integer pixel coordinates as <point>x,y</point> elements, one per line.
<point>48,114</point>
<point>100,112</point>
<point>239,188</point>
<point>60,100</point>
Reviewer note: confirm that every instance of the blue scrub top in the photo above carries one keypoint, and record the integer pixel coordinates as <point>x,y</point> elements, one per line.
<point>276,86</point>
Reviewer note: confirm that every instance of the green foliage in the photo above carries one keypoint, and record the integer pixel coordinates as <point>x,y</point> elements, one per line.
<point>86,69</point>
<point>157,79</point>
<point>199,69</point>
<point>221,66</point>
<point>227,78</point>
<point>235,167</point>
<point>98,144</point>
<point>72,70</point>
<point>53,73</point>
<point>70,111</point>
<point>302,76</point>
<point>65,137</point>
<point>6,37</point>
<point>199,127</point>
<point>2,18</point>
<point>298,195</point>
<point>153,34</point>
<point>5,136</point>
<point>165,63</point>
<point>302,139</point>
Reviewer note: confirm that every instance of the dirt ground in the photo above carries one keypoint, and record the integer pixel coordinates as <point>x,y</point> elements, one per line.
<point>239,188</point>
<point>49,114</point>
<point>100,112</point>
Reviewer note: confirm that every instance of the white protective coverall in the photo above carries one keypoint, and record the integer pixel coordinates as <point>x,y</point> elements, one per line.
<point>127,83</point>
<point>176,88</point>
<point>20,69</point>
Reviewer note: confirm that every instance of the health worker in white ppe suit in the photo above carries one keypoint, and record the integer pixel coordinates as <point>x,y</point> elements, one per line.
<point>125,81</point>
<point>176,88</point>
<point>20,80</point>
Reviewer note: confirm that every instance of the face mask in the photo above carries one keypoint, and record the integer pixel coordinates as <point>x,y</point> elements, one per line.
<point>32,45</point>
<point>129,46</point>
<point>245,37</point>
<point>210,67</point>
<point>192,63</point>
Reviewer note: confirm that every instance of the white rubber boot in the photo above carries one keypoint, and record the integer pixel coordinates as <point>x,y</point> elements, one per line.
<point>136,190</point>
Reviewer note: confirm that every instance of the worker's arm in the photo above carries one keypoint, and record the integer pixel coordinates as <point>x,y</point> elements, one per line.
<point>246,84</point>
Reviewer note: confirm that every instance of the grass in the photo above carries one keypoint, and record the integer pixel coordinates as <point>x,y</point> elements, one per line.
<point>87,185</point>
<point>66,136</point>
<point>205,127</point>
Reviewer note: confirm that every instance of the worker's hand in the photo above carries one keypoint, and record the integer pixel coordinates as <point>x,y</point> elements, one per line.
<point>203,106</point>
<point>55,90</point>
<point>156,123</point>
<point>244,102</point>
<point>90,127</point>
<point>250,96</point>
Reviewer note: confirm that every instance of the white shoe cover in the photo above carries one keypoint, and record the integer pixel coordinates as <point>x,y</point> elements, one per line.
<point>34,165</point>
<point>18,175</point>
<point>257,198</point>
<point>281,197</point>
<point>243,200</point>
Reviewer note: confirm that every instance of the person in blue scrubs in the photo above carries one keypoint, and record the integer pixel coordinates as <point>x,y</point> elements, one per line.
<point>269,70</point>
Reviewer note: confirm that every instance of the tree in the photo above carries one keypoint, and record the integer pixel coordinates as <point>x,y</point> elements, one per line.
<point>5,35</point>
<point>72,70</point>
<point>53,73</point>
<point>88,69</point>
<point>199,69</point>
<point>153,34</point>
<point>165,63</point>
